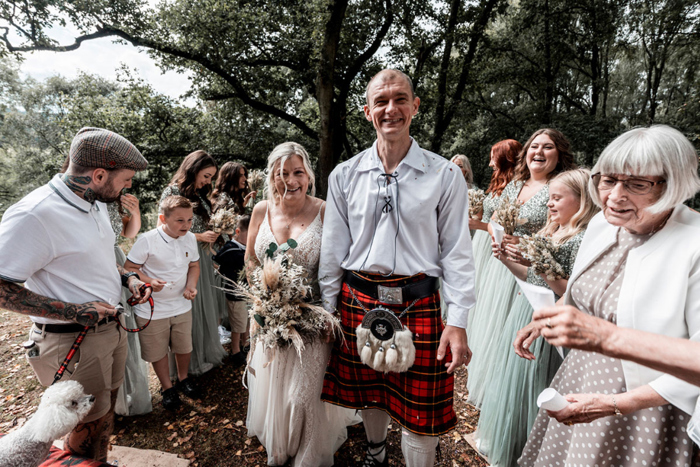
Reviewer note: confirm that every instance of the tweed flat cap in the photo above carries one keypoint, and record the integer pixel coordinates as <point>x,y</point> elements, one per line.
<point>99,148</point>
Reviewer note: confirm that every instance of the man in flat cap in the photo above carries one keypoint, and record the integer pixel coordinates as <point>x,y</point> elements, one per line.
<point>58,241</point>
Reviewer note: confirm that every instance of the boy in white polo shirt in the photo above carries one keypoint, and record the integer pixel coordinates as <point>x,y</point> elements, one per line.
<point>168,259</point>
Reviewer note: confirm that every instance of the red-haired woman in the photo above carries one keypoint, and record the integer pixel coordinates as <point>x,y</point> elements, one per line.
<point>504,156</point>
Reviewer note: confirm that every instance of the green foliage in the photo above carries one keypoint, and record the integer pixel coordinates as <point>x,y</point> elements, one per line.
<point>269,71</point>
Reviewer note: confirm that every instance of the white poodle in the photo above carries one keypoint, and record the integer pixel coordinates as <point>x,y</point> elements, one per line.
<point>62,407</point>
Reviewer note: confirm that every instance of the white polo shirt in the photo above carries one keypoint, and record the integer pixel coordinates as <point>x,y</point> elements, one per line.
<point>164,257</point>
<point>60,246</point>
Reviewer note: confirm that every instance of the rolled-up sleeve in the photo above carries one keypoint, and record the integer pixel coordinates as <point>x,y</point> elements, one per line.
<point>336,241</point>
<point>456,256</point>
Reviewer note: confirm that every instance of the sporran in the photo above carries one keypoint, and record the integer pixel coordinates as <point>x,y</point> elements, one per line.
<point>384,344</point>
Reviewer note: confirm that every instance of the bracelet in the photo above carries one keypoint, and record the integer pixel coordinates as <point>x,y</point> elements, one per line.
<point>126,276</point>
<point>617,410</point>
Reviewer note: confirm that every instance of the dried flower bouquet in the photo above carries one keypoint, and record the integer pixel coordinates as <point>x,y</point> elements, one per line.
<point>540,251</point>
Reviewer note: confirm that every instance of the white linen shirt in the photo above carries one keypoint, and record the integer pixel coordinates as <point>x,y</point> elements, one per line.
<point>61,246</point>
<point>167,258</point>
<point>433,237</point>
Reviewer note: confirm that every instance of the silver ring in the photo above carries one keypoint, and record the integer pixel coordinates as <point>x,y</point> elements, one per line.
<point>549,323</point>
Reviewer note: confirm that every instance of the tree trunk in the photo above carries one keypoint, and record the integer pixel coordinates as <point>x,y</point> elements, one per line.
<point>442,123</point>
<point>330,137</point>
<point>442,76</point>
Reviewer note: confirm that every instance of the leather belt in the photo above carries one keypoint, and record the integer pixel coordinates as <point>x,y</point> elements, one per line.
<point>70,328</point>
<point>393,295</point>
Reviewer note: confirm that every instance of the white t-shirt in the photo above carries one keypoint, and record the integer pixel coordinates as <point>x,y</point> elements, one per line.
<point>60,246</point>
<point>164,257</point>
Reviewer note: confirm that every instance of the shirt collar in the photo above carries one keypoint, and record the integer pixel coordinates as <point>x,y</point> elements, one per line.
<point>166,238</point>
<point>240,245</point>
<point>59,186</point>
<point>414,158</point>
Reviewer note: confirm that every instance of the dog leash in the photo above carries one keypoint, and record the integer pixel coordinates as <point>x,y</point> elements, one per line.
<point>81,336</point>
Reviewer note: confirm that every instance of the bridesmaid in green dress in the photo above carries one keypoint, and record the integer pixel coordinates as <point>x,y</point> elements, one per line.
<point>510,404</point>
<point>504,156</point>
<point>193,181</point>
<point>134,397</point>
<point>544,155</point>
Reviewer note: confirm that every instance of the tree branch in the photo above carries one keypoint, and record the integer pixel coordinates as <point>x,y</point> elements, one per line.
<point>361,59</point>
<point>240,92</point>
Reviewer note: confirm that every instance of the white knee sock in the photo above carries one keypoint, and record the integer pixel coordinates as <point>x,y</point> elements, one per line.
<point>418,450</point>
<point>376,424</point>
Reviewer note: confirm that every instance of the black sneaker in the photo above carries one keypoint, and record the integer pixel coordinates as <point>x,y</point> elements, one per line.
<point>238,359</point>
<point>171,399</point>
<point>189,388</point>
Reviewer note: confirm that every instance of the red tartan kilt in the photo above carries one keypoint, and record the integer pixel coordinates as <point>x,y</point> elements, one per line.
<point>420,399</point>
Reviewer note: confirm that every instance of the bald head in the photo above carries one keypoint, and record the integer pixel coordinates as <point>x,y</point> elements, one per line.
<point>389,74</point>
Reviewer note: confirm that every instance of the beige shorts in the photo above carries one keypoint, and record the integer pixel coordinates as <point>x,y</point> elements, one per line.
<point>174,333</point>
<point>98,364</point>
<point>238,316</point>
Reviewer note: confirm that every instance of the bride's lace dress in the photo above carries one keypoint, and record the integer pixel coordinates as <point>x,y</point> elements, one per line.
<point>285,411</point>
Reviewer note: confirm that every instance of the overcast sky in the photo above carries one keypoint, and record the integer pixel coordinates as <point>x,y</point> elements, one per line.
<point>102,57</point>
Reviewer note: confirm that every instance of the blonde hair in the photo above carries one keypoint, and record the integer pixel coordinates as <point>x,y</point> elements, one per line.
<point>577,181</point>
<point>658,150</point>
<point>277,158</point>
<point>465,163</point>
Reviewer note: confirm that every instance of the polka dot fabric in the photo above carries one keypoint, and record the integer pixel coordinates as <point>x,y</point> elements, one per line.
<point>650,437</point>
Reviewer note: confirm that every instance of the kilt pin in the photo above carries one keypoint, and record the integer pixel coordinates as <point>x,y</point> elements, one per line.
<point>421,399</point>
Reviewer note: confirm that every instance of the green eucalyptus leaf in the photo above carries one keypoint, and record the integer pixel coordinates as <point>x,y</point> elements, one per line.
<point>259,319</point>
<point>271,250</point>
<point>292,243</point>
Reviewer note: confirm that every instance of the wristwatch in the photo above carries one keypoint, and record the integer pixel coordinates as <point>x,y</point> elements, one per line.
<point>126,276</point>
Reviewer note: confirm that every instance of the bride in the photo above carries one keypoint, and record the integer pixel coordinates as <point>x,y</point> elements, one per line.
<point>285,411</point>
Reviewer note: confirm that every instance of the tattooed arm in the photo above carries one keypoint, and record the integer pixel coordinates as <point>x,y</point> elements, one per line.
<point>16,298</point>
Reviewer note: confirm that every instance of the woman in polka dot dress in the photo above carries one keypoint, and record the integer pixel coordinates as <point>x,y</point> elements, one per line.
<point>510,404</point>
<point>637,267</point>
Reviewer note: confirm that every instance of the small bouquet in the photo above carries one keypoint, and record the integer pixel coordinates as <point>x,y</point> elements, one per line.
<point>223,221</point>
<point>281,309</point>
<point>507,214</point>
<point>256,182</point>
<point>476,203</point>
<point>540,251</point>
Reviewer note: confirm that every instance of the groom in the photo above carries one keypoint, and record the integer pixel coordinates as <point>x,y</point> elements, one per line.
<point>396,221</point>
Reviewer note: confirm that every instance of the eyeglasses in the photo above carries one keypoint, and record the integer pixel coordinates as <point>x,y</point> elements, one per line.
<point>635,186</point>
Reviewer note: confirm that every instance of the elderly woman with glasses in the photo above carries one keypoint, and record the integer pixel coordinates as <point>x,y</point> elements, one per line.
<point>638,267</point>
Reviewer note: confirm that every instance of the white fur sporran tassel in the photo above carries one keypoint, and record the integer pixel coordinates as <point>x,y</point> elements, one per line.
<point>395,355</point>
<point>392,356</point>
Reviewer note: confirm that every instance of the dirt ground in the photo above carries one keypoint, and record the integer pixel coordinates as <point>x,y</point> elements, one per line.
<point>210,431</point>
